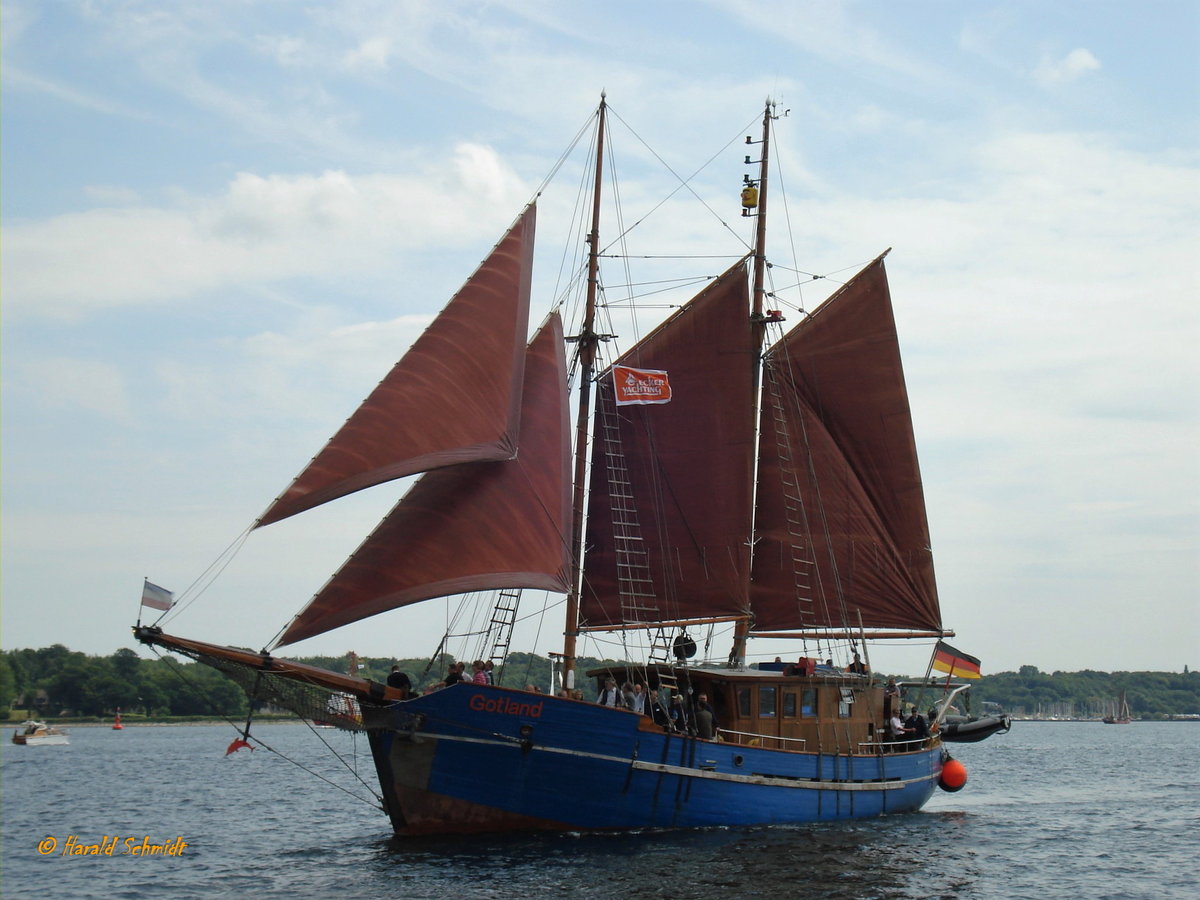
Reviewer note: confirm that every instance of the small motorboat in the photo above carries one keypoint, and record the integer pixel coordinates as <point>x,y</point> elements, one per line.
<point>964,730</point>
<point>35,734</point>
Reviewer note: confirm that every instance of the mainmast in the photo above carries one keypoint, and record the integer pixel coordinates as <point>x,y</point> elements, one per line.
<point>758,323</point>
<point>586,341</point>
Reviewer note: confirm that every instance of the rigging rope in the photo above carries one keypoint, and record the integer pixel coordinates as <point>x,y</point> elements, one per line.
<point>208,576</point>
<point>683,182</point>
<point>174,668</point>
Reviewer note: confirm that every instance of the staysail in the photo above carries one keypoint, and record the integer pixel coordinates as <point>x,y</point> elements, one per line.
<point>469,527</point>
<point>453,398</point>
<point>686,464</point>
<point>840,524</point>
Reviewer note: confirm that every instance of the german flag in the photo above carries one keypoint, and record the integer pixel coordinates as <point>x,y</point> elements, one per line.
<point>954,662</point>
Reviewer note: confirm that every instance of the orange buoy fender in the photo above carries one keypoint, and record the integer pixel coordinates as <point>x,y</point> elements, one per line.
<point>954,776</point>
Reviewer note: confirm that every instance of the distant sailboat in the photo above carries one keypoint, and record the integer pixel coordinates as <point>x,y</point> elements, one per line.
<point>1120,714</point>
<point>737,473</point>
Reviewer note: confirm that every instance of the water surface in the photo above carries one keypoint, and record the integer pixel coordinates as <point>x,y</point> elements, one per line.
<point>1051,810</point>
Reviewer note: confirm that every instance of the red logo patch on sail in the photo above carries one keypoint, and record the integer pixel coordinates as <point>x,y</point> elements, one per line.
<point>641,386</point>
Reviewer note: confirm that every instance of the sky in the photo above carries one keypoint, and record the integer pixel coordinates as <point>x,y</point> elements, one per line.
<point>223,221</point>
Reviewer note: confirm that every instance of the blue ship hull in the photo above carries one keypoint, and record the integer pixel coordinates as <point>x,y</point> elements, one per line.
<point>475,758</point>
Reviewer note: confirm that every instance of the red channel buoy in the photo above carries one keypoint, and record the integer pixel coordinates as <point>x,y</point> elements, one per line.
<point>954,776</point>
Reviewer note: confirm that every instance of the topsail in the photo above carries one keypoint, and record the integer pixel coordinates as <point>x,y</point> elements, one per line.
<point>454,397</point>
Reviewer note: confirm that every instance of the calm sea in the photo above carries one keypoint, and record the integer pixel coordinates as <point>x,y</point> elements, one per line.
<point>1052,810</point>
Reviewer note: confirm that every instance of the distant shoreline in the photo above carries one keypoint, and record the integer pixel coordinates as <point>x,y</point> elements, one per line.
<point>157,723</point>
<point>1096,721</point>
<point>291,720</point>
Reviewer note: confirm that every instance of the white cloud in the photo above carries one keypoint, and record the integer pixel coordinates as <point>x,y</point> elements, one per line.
<point>286,50</point>
<point>1071,67</point>
<point>75,385</point>
<point>263,229</point>
<point>311,375</point>
<point>18,79</point>
<point>372,53</point>
<point>111,195</point>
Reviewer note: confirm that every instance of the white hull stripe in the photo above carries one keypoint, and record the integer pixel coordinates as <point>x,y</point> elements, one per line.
<point>776,781</point>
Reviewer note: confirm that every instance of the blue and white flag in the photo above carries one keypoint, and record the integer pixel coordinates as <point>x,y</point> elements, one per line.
<point>156,597</point>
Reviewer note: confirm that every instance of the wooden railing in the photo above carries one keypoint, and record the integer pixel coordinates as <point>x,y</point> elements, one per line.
<point>768,741</point>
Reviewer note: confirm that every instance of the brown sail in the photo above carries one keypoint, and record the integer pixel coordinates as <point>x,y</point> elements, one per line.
<point>453,398</point>
<point>677,482</point>
<point>840,522</point>
<point>469,527</point>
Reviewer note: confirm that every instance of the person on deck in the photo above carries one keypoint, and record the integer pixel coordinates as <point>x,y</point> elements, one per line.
<point>399,680</point>
<point>478,675</point>
<point>610,696</point>
<point>455,673</point>
<point>678,715</point>
<point>706,718</point>
<point>917,727</point>
<point>891,699</point>
<point>633,698</point>
<point>638,701</point>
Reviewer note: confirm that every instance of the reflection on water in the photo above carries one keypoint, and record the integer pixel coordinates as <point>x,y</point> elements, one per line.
<point>895,858</point>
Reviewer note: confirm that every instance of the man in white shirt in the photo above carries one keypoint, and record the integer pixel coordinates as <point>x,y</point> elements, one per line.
<point>610,696</point>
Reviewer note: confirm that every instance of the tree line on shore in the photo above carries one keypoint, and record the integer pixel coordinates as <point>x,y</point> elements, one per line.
<point>54,681</point>
<point>1090,694</point>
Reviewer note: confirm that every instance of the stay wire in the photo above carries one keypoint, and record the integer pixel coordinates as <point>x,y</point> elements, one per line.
<point>173,667</point>
<point>378,804</point>
<point>683,182</point>
<point>206,578</point>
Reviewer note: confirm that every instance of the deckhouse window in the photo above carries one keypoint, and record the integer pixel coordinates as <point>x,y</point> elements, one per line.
<point>766,702</point>
<point>789,705</point>
<point>743,698</point>
<point>808,705</point>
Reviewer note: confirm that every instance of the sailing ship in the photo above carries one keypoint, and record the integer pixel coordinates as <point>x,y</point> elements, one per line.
<point>1120,714</point>
<point>721,470</point>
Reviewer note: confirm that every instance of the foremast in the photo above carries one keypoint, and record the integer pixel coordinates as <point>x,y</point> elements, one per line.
<point>586,343</point>
<point>758,324</point>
